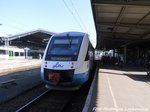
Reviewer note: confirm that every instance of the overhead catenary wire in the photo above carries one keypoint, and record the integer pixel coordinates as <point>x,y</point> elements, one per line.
<point>81,21</point>
<point>73,15</point>
<point>78,15</point>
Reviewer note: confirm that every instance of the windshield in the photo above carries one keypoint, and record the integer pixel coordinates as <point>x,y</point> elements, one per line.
<point>64,46</point>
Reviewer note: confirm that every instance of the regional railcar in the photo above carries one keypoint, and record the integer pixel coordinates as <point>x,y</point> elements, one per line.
<point>67,61</point>
<point>10,53</point>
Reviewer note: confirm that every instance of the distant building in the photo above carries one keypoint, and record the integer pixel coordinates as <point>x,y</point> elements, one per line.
<point>35,41</point>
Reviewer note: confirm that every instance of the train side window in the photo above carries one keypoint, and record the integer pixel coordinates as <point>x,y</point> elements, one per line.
<point>87,55</point>
<point>16,53</point>
<point>21,54</point>
<point>2,52</point>
<point>90,51</point>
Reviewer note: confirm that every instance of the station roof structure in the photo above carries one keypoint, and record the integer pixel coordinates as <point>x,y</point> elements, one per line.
<point>121,22</point>
<point>36,38</point>
<point>1,40</point>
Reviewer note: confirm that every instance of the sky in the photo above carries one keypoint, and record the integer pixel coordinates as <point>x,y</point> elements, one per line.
<point>19,16</point>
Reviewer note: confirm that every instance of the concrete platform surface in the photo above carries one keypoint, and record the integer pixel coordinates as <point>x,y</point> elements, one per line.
<point>24,80</point>
<point>120,91</point>
<point>10,66</point>
<point>24,73</point>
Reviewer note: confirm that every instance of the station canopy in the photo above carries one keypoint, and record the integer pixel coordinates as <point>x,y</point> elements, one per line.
<point>121,22</point>
<point>34,39</point>
<point>1,41</point>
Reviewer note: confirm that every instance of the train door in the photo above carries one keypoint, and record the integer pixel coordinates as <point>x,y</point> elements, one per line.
<point>10,55</point>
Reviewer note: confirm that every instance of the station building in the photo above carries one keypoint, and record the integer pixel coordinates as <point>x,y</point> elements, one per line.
<point>24,45</point>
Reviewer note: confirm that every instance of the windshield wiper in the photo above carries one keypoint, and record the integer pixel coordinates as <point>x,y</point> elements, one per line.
<point>70,40</point>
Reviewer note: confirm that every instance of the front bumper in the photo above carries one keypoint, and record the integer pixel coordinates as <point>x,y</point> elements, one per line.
<point>76,80</point>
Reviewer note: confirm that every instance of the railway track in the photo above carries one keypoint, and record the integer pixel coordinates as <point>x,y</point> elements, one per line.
<point>13,104</point>
<point>58,101</point>
<point>48,101</point>
<point>24,107</point>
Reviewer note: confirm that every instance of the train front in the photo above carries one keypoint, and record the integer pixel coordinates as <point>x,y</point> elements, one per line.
<point>63,65</point>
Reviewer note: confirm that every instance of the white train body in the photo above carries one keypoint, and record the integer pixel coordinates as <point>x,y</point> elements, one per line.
<point>66,62</point>
<point>11,53</point>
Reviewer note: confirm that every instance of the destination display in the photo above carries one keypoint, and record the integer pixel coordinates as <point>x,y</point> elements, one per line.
<point>61,58</point>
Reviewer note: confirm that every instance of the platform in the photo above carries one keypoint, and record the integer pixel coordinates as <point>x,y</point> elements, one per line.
<point>25,74</point>
<point>116,90</point>
<point>10,66</point>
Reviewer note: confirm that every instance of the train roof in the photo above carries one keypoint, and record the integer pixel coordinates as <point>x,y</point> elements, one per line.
<point>0,40</point>
<point>71,34</point>
<point>13,48</point>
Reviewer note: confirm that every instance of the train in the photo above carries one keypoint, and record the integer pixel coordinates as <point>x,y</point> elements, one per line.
<point>9,53</point>
<point>67,61</point>
<point>13,52</point>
